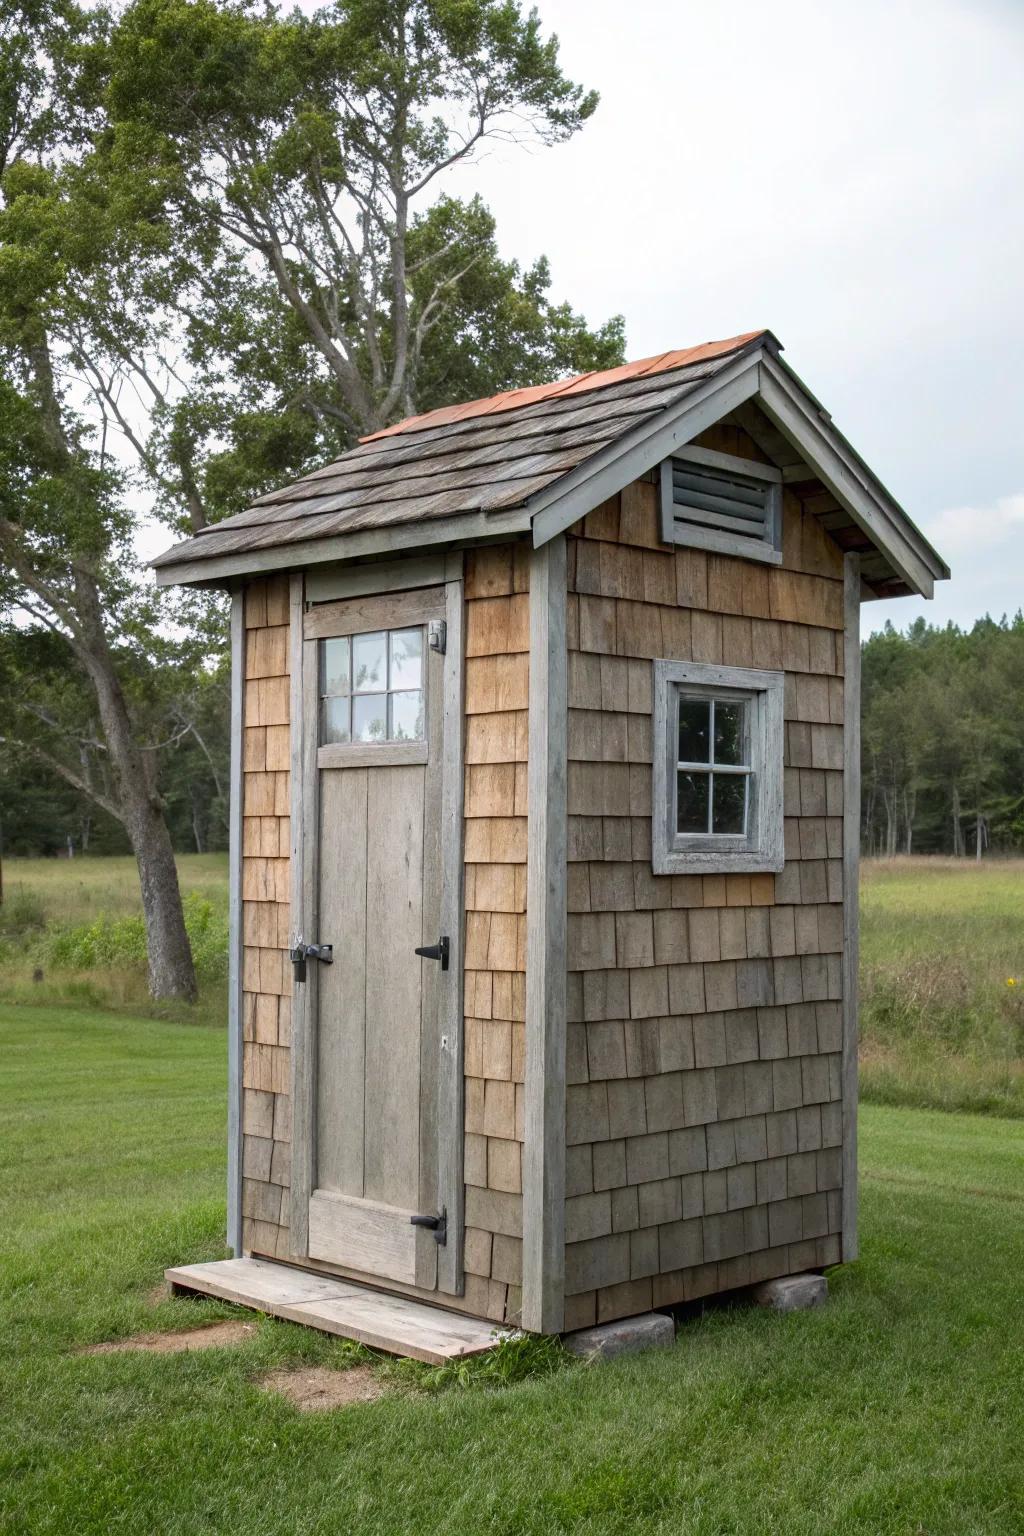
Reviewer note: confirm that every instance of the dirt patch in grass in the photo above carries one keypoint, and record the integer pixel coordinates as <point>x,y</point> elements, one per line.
<point>213,1336</point>
<point>315,1388</point>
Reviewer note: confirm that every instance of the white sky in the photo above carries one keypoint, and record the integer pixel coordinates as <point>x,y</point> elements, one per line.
<point>849,173</point>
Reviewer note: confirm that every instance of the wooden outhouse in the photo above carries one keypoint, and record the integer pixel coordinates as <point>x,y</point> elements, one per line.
<point>545,841</point>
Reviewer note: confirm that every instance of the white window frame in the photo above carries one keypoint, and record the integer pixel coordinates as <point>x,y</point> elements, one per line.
<point>760,848</point>
<point>722,540</point>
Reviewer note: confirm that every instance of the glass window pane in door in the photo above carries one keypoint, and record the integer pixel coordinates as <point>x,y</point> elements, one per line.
<point>335,723</point>
<point>370,717</point>
<point>335,665</point>
<point>406,658</point>
<point>369,663</point>
<point>407,716</point>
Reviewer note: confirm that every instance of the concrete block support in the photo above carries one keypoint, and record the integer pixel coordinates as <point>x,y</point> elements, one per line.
<point>652,1330</point>
<point>792,1293</point>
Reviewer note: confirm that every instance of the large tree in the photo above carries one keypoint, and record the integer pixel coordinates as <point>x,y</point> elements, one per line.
<point>225,250</point>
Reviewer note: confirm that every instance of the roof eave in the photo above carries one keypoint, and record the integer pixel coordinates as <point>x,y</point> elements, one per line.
<point>399,539</point>
<point>762,376</point>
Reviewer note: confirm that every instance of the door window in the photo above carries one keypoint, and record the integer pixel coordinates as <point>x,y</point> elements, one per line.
<point>371,687</point>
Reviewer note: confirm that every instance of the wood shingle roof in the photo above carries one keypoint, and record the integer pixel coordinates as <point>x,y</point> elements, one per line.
<point>483,456</point>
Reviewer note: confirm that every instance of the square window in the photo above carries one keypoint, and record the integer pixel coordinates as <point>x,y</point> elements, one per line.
<point>372,687</point>
<point>718,759</point>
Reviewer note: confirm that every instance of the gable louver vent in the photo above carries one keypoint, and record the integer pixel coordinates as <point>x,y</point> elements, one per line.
<point>714,501</point>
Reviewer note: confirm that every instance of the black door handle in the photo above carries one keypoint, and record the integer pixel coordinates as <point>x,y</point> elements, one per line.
<point>438,951</point>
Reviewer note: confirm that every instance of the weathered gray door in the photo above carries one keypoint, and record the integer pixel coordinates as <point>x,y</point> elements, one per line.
<point>381,690</point>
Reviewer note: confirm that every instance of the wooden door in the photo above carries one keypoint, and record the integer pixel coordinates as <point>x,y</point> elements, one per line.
<point>380,1125</point>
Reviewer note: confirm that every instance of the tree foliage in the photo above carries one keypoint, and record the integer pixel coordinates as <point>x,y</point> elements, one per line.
<point>943,738</point>
<point>225,250</point>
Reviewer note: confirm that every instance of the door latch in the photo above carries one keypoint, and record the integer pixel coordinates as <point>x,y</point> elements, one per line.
<point>303,952</point>
<point>437,635</point>
<point>436,1224</point>
<point>438,951</point>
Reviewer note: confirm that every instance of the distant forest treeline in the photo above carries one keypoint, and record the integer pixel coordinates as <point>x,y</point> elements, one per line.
<point>942,749</point>
<point>942,765</point>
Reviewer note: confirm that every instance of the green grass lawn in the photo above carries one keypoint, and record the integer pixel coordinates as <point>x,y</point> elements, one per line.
<point>899,1408</point>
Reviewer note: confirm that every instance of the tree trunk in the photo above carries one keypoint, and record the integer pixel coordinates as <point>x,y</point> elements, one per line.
<point>891,822</point>
<point>197,821</point>
<point>959,851</point>
<point>171,971</point>
<point>909,812</point>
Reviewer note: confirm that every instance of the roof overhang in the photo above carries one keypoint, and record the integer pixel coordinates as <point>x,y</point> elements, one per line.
<point>756,375</point>
<point>372,543</point>
<point>766,380</point>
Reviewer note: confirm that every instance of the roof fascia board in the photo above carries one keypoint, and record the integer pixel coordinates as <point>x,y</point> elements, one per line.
<point>558,506</point>
<point>472,527</point>
<point>797,414</point>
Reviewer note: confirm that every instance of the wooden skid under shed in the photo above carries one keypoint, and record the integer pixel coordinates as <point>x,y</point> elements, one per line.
<point>396,1324</point>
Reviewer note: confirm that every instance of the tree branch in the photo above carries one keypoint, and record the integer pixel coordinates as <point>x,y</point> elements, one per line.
<point>66,773</point>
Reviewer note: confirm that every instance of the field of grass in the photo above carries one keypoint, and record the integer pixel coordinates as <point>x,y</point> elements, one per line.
<point>942,961</point>
<point>71,933</point>
<point>942,983</point>
<point>896,1409</point>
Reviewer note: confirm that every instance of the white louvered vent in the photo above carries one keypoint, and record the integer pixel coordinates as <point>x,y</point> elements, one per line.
<point>714,501</point>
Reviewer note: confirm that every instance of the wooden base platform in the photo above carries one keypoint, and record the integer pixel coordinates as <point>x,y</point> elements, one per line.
<point>396,1324</point>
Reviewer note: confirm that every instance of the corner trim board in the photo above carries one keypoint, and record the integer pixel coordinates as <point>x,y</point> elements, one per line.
<point>851,896</point>
<point>544,1149</point>
<point>451,1085</point>
<point>235,930</point>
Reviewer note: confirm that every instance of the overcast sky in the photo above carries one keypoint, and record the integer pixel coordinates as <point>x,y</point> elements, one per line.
<point>849,173</point>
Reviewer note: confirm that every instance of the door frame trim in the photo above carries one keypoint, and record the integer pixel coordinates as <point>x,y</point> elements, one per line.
<point>305,824</point>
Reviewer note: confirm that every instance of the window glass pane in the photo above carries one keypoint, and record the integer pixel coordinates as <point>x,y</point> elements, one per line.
<point>729,799</point>
<point>407,716</point>
<point>730,732</point>
<point>369,666</point>
<point>692,802</point>
<point>694,730</point>
<point>335,720</point>
<point>369,717</point>
<point>335,665</point>
<point>406,658</point>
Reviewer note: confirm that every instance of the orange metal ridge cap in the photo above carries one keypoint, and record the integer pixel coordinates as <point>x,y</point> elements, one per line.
<point>514,399</point>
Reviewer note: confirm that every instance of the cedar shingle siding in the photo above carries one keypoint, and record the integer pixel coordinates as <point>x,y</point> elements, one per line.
<point>704,1122</point>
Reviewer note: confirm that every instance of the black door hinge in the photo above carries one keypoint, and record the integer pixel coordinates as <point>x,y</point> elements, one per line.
<point>436,1224</point>
<point>303,952</point>
<point>438,951</point>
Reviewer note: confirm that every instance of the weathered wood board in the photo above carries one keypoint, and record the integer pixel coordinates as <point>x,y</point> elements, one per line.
<point>396,1324</point>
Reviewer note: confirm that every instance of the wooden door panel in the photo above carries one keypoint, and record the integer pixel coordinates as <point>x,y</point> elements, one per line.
<point>394,927</point>
<point>341,1034</point>
<point>373,1237</point>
